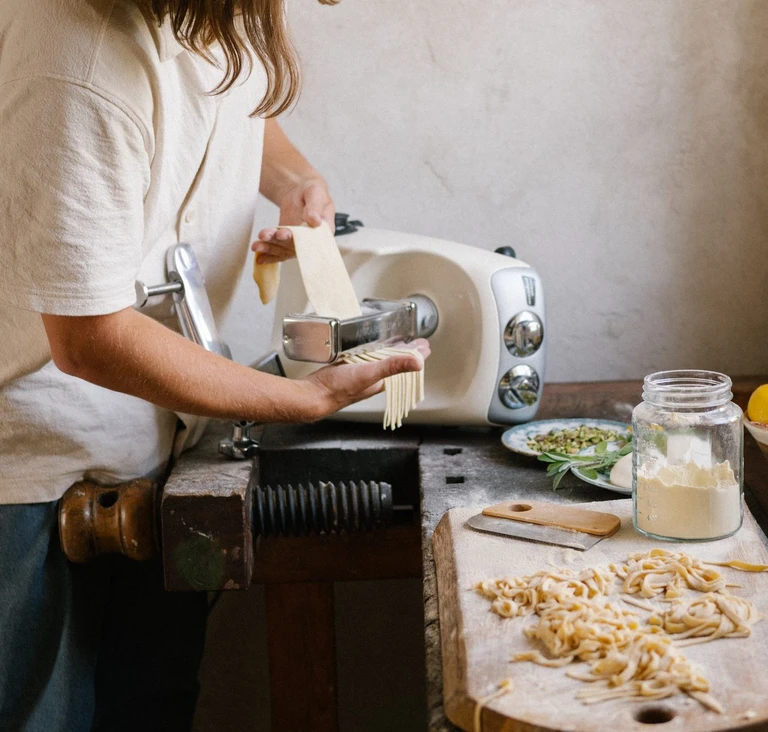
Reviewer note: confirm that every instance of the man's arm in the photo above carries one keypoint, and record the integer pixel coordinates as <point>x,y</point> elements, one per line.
<point>292,184</point>
<point>131,353</point>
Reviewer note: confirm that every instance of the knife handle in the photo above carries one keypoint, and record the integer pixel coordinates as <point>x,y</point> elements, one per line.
<point>557,514</point>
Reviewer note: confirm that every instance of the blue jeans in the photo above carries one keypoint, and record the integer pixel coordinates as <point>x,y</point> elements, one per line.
<point>90,647</point>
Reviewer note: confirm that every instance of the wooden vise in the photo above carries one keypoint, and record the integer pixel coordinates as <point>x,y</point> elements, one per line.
<point>213,512</point>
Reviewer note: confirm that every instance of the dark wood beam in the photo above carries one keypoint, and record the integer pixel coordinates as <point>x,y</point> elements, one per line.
<point>302,657</point>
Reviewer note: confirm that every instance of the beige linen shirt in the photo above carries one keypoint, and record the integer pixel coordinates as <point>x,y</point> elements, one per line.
<point>111,151</point>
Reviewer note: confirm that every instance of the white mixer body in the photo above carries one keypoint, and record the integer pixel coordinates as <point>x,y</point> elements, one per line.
<point>488,352</point>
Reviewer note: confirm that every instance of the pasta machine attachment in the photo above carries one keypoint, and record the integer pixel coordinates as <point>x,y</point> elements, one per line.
<point>319,339</point>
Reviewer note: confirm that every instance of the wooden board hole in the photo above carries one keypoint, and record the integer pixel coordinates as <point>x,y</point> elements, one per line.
<point>452,451</point>
<point>654,715</point>
<point>454,479</point>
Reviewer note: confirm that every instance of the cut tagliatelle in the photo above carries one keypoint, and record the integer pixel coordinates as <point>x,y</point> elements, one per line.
<point>628,656</point>
<point>709,617</point>
<point>660,571</point>
<point>578,629</point>
<point>403,391</point>
<point>520,596</point>
<point>649,667</point>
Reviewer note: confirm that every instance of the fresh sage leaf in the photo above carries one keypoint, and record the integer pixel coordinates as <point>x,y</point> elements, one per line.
<point>602,459</point>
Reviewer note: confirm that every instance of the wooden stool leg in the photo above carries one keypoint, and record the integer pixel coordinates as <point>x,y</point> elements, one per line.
<point>302,657</point>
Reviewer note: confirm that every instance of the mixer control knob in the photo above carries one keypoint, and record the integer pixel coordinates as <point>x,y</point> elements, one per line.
<point>519,387</point>
<point>524,334</point>
<point>506,251</point>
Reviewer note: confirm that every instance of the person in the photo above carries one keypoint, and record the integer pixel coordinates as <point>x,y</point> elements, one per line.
<point>127,126</point>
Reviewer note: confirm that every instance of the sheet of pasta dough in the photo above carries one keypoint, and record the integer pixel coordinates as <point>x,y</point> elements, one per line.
<point>326,280</point>
<point>267,277</point>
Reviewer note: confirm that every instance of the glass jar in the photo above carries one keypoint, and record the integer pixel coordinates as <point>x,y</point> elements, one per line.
<point>687,469</point>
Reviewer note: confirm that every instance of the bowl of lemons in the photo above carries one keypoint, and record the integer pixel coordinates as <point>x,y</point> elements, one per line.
<point>756,417</point>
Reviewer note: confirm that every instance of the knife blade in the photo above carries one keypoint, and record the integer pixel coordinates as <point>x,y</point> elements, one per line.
<point>534,532</point>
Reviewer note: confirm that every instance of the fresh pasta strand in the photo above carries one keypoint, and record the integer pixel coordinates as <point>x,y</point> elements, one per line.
<point>505,687</point>
<point>396,400</point>
<point>403,392</point>
<point>409,384</point>
<point>639,603</point>
<point>741,565</point>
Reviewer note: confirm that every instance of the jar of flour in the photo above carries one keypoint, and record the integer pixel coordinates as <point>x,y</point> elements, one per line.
<point>687,482</point>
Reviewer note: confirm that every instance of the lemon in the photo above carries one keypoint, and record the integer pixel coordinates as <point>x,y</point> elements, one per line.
<point>757,409</point>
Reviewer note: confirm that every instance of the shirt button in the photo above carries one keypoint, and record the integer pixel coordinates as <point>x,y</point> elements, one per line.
<point>189,215</point>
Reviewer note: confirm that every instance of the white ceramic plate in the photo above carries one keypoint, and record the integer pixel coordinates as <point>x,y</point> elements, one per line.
<point>516,438</point>
<point>603,476</point>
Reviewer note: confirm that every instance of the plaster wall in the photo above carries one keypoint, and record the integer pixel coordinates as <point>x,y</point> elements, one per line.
<point>620,147</point>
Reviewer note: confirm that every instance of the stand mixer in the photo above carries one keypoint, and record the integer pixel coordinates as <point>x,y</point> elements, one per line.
<point>483,313</point>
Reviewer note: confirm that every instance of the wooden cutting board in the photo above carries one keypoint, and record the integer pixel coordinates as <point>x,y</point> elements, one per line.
<point>477,645</point>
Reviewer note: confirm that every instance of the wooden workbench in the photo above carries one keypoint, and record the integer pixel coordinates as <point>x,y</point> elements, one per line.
<point>431,470</point>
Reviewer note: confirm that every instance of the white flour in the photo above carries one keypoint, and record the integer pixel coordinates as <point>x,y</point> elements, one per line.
<point>689,502</point>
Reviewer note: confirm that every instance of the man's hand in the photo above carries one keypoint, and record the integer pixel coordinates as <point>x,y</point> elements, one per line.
<point>339,385</point>
<point>291,183</point>
<point>307,201</point>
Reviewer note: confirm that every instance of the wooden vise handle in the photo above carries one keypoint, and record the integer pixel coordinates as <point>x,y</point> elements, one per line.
<point>94,520</point>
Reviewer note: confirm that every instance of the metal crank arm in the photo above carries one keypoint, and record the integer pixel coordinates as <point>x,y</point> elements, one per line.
<point>193,309</point>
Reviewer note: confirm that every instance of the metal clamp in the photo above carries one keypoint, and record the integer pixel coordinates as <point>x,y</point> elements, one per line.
<point>240,445</point>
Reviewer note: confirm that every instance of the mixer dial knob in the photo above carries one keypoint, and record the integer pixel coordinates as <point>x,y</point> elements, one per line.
<point>519,387</point>
<point>524,334</point>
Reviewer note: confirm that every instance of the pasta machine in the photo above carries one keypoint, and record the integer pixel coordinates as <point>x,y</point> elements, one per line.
<point>482,311</point>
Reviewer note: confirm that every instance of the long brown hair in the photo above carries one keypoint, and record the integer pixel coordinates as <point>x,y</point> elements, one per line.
<point>263,34</point>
